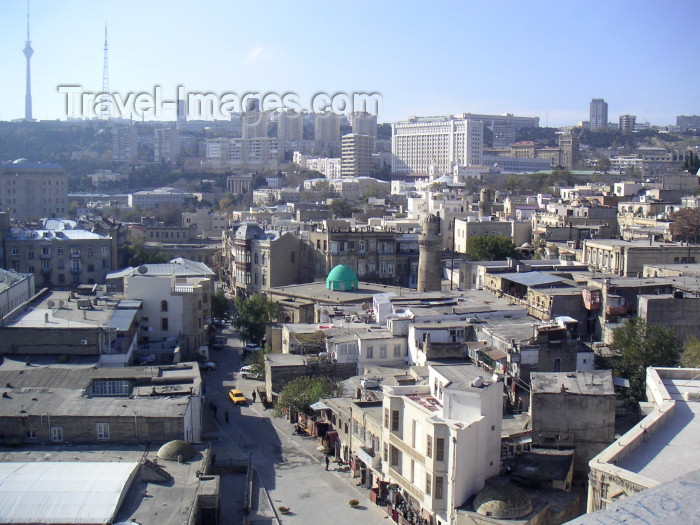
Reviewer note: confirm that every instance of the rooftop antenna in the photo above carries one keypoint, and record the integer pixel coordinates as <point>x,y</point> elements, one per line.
<point>28,52</point>
<point>106,99</point>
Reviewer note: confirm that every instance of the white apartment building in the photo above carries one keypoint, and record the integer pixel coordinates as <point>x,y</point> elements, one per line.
<point>15,289</point>
<point>368,347</point>
<point>442,142</point>
<point>331,168</point>
<point>290,126</point>
<point>364,123</point>
<point>356,155</point>
<point>147,199</point>
<point>259,153</point>
<point>442,440</point>
<point>327,128</point>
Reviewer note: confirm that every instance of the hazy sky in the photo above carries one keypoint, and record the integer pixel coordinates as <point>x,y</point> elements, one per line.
<point>535,58</point>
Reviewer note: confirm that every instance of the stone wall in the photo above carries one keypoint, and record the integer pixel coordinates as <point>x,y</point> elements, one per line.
<point>53,341</point>
<point>278,376</point>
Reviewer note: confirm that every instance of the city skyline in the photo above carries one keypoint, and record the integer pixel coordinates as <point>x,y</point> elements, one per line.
<point>539,59</point>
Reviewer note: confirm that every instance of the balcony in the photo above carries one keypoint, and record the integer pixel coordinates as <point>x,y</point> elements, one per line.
<point>369,457</point>
<point>616,309</point>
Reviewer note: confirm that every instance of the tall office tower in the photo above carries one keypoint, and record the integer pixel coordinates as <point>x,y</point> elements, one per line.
<point>569,146</point>
<point>327,128</point>
<point>290,126</point>
<point>364,123</point>
<point>254,122</point>
<point>627,122</point>
<point>356,155</point>
<point>28,52</point>
<point>599,114</point>
<point>166,145</point>
<point>442,142</point>
<point>106,99</point>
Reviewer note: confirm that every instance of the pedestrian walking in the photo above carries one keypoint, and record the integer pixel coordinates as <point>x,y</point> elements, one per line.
<point>254,394</point>
<point>226,416</point>
<point>328,462</point>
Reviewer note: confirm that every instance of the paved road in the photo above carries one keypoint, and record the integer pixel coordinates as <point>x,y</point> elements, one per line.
<point>290,467</point>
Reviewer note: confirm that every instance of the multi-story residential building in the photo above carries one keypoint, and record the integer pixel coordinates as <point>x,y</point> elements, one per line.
<point>569,147</point>
<point>59,254</point>
<point>290,126</point>
<point>148,199</point>
<point>356,159</point>
<point>374,254</point>
<point>125,144</point>
<point>205,221</point>
<point>331,168</point>
<point>598,114</point>
<point>327,128</point>
<point>443,142</point>
<point>464,229</point>
<point>627,122</point>
<point>32,190</point>
<point>254,124</point>
<point>254,153</point>
<point>686,123</point>
<point>256,260</point>
<point>364,123</point>
<point>166,145</point>
<point>15,289</point>
<point>441,440</point>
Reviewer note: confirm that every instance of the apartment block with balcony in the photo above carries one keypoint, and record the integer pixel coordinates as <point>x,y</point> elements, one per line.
<point>441,440</point>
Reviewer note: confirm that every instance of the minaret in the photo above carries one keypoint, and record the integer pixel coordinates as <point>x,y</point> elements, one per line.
<point>28,52</point>
<point>106,99</point>
<point>429,264</point>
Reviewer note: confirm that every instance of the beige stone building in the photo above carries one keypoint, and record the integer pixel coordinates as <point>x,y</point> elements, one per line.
<point>33,190</point>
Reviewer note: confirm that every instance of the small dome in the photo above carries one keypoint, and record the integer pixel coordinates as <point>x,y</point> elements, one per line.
<point>502,500</point>
<point>248,231</point>
<point>342,278</point>
<point>172,449</point>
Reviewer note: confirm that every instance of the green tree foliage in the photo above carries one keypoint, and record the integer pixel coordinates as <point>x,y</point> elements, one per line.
<point>691,162</point>
<point>137,254</point>
<point>490,248</point>
<point>299,394</point>
<point>252,314</point>
<point>340,208</point>
<point>638,345</point>
<point>220,305</point>
<point>685,225</point>
<point>691,353</point>
<point>603,164</point>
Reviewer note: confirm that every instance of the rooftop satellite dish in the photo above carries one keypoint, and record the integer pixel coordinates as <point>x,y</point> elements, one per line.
<point>142,269</point>
<point>61,303</point>
<point>50,303</point>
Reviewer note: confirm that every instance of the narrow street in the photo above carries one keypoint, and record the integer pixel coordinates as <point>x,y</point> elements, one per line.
<point>291,468</point>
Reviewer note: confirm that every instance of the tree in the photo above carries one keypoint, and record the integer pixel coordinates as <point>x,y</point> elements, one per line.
<point>137,254</point>
<point>685,225</point>
<point>490,248</point>
<point>691,353</point>
<point>219,304</point>
<point>257,361</point>
<point>637,346</point>
<point>603,164</point>
<point>299,394</point>
<point>252,314</point>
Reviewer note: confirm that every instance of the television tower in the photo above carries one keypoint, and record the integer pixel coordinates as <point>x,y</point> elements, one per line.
<point>28,52</point>
<point>106,103</point>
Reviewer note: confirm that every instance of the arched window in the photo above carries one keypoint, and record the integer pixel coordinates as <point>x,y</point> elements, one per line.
<point>256,258</point>
<point>164,306</point>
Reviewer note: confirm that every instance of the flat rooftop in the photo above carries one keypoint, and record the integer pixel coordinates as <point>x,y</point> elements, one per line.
<point>672,450</point>
<point>593,382</point>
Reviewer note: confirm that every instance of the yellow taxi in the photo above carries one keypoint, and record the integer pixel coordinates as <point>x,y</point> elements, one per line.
<point>237,396</point>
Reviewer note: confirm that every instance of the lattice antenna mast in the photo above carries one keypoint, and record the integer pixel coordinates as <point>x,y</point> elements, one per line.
<point>106,99</point>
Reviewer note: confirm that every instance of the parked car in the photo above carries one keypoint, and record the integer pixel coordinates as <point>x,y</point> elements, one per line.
<point>252,347</point>
<point>218,345</point>
<point>237,397</point>
<point>248,372</point>
<point>208,366</point>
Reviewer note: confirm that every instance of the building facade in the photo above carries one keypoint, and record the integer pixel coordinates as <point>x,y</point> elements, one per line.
<point>254,153</point>
<point>598,114</point>
<point>356,159</point>
<point>33,190</point>
<point>166,145</point>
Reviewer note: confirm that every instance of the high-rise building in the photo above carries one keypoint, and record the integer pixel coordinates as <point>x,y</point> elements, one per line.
<point>627,122</point>
<point>226,153</point>
<point>599,114</point>
<point>28,52</point>
<point>442,142</point>
<point>125,144</point>
<point>327,128</point>
<point>254,123</point>
<point>290,126</point>
<point>356,155</point>
<point>166,145</point>
<point>181,111</point>
<point>33,190</point>
<point>688,122</point>
<point>364,123</point>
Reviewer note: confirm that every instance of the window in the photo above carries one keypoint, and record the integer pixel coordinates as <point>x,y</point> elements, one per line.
<point>91,267</point>
<point>428,484</point>
<point>438,487</point>
<point>30,255</point>
<point>164,323</point>
<point>30,434</point>
<point>386,418</point>
<point>397,350</point>
<point>370,352</point>
<point>61,263</point>
<point>386,452</point>
<point>45,250</point>
<point>59,251</point>
<point>394,420</point>
<point>164,306</point>
<point>102,430</point>
<point>56,433</point>
<point>439,450</point>
<point>413,472</point>
<point>394,456</point>
<point>382,352</point>
<point>264,279</point>
<point>104,263</point>
<point>15,251</point>
<point>429,446</point>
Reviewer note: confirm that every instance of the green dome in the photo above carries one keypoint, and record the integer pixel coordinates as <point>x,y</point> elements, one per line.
<point>342,278</point>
